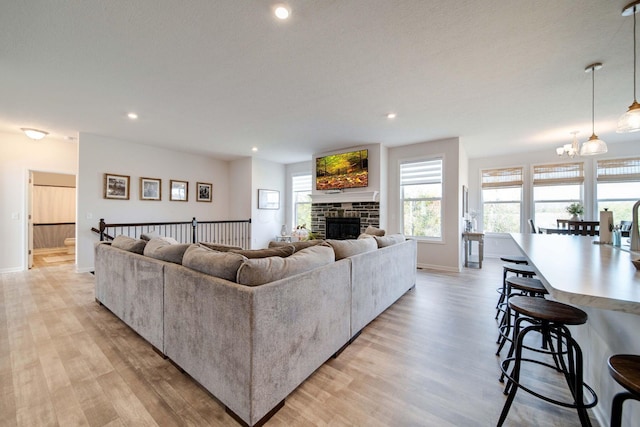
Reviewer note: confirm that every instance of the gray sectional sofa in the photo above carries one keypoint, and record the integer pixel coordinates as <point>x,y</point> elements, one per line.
<point>252,345</point>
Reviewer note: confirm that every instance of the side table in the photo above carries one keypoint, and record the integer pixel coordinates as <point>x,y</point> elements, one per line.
<point>469,237</point>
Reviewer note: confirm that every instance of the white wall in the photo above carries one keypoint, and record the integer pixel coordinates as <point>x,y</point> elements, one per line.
<point>18,155</point>
<point>240,188</point>
<point>497,245</point>
<point>266,223</point>
<point>443,255</point>
<point>99,155</point>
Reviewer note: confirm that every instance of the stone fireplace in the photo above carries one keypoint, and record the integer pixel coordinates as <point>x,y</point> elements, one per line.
<point>362,214</point>
<point>342,228</point>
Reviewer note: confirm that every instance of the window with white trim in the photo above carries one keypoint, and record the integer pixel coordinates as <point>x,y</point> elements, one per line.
<point>502,200</point>
<point>421,198</point>
<point>301,196</point>
<point>554,188</point>
<point>618,186</point>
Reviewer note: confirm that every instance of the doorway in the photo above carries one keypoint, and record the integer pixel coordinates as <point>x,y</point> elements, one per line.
<point>51,219</point>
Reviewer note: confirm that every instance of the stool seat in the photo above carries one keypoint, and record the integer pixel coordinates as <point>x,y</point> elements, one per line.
<point>527,284</point>
<point>514,259</point>
<point>551,311</point>
<point>625,369</point>
<point>523,269</point>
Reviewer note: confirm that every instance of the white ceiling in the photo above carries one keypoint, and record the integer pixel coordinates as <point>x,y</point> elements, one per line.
<point>221,76</point>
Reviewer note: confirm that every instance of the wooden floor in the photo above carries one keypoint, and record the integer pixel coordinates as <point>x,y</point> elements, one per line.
<point>52,257</point>
<point>427,361</point>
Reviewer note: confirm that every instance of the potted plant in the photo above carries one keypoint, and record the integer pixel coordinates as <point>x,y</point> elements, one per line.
<point>576,210</point>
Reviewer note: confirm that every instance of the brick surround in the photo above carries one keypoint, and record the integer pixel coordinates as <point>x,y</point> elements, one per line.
<point>368,212</point>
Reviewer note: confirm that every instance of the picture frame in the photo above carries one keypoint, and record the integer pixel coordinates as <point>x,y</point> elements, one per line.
<point>268,199</point>
<point>116,186</point>
<point>203,191</point>
<point>150,188</point>
<point>465,201</point>
<point>179,190</point>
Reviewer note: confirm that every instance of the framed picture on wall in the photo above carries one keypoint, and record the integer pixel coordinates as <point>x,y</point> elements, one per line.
<point>203,191</point>
<point>150,189</point>
<point>268,199</point>
<point>179,191</point>
<point>116,186</point>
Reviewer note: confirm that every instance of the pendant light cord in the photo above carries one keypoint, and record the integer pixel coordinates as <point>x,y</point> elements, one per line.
<point>634,54</point>
<point>593,100</point>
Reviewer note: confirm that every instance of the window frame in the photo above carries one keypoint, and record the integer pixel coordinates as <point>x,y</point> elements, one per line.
<point>424,180</point>
<point>557,174</point>
<point>295,204</point>
<point>502,184</point>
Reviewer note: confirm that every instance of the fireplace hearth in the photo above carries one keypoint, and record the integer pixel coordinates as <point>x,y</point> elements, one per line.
<point>341,228</point>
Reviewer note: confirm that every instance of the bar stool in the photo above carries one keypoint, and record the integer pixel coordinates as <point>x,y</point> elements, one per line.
<point>625,369</point>
<point>550,318</point>
<point>524,270</point>
<point>522,286</point>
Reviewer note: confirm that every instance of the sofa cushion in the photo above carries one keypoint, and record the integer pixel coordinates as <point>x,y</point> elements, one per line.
<point>258,271</point>
<point>281,251</point>
<point>392,239</point>
<point>214,263</point>
<point>149,235</point>
<point>129,244</point>
<point>365,236</point>
<point>219,247</point>
<point>347,248</point>
<point>166,249</point>
<point>374,231</point>
<point>303,244</point>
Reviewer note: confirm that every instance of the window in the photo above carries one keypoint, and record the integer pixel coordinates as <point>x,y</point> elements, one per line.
<point>421,198</point>
<point>554,188</point>
<point>618,186</point>
<point>301,188</point>
<point>502,200</point>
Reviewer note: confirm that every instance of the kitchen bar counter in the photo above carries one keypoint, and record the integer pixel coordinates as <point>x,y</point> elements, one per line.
<point>577,271</point>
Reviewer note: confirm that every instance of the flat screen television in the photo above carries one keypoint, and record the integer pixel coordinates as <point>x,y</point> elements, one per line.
<point>343,170</point>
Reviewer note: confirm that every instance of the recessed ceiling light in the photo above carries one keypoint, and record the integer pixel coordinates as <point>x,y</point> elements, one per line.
<point>254,149</point>
<point>391,115</point>
<point>35,134</point>
<point>282,11</point>
<point>132,116</point>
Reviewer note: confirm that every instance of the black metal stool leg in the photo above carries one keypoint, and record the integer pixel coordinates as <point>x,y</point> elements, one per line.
<point>616,407</point>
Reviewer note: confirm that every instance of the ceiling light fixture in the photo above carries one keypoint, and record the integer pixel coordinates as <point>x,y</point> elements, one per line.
<point>34,133</point>
<point>391,115</point>
<point>282,11</point>
<point>594,145</point>
<point>572,149</point>
<point>630,121</point>
<point>254,149</point>
<point>132,116</point>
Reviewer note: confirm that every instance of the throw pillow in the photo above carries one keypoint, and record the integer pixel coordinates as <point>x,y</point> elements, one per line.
<point>374,231</point>
<point>214,263</point>
<point>347,248</point>
<point>365,236</point>
<point>258,271</point>
<point>219,246</point>
<point>129,244</point>
<point>149,235</point>
<point>303,244</point>
<point>166,249</point>
<point>282,251</point>
<point>389,240</point>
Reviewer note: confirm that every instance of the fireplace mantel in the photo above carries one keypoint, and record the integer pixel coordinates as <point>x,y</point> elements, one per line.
<point>346,197</point>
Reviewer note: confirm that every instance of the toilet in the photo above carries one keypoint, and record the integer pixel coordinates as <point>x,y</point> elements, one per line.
<point>70,243</point>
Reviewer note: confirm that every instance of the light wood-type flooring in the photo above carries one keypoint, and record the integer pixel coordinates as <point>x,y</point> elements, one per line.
<point>427,361</point>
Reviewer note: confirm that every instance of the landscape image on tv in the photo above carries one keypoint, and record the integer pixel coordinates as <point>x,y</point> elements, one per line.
<point>344,170</point>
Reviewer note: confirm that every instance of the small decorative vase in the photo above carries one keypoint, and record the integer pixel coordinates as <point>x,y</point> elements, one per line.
<point>574,217</point>
<point>283,230</point>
